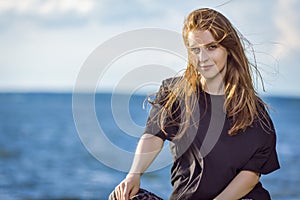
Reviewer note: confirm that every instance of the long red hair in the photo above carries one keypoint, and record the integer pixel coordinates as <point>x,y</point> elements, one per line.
<point>242,104</point>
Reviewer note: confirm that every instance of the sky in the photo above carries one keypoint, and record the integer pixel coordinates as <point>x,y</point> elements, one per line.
<point>45,43</point>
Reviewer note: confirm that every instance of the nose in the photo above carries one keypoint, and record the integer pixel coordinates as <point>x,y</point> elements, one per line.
<point>202,55</point>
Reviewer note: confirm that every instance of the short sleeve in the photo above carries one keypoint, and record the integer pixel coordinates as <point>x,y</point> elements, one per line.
<point>265,159</point>
<point>152,125</point>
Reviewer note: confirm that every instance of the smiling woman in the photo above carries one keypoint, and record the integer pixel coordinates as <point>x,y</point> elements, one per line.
<point>209,57</point>
<point>222,138</point>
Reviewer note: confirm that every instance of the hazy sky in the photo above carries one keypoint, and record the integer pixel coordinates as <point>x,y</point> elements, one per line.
<point>44,43</point>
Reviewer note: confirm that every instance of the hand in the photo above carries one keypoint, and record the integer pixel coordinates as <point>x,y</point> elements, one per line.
<point>128,187</point>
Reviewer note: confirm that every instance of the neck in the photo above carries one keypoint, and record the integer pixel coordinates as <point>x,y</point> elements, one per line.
<point>215,87</point>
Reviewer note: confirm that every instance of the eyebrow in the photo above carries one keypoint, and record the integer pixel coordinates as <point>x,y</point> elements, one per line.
<point>204,45</point>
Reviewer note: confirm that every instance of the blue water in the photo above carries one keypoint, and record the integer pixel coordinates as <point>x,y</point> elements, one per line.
<point>42,156</point>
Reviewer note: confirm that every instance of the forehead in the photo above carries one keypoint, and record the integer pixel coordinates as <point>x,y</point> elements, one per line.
<point>200,37</point>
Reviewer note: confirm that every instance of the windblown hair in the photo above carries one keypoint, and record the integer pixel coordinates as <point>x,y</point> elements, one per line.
<point>242,105</point>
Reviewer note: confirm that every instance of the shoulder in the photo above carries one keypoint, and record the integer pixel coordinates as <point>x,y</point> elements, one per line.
<point>167,85</point>
<point>263,119</point>
<point>263,127</point>
<point>171,82</point>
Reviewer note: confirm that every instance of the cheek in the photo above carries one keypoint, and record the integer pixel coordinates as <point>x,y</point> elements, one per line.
<point>193,59</point>
<point>221,58</point>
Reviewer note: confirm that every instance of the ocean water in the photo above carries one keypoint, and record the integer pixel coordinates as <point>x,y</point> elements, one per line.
<point>42,156</point>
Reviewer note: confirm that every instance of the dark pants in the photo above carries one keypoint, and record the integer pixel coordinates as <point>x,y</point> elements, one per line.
<point>141,195</point>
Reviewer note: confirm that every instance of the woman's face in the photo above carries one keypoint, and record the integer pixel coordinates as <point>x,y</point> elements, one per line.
<point>206,54</point>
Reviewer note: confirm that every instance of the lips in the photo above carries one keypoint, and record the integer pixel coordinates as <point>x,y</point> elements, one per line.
<point>205,67</point>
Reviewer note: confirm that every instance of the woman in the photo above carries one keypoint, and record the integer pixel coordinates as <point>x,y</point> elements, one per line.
<point>222,138</point>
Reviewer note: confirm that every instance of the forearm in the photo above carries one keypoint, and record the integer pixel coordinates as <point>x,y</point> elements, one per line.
<point>148,148</point>
<point>241,185</point>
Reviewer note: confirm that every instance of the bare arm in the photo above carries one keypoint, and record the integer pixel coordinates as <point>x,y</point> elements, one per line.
<point>241,185</point>
<point>148,148</point>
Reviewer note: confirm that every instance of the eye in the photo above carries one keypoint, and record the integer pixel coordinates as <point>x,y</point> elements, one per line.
<point>212,47</point>
<point>195,50</point>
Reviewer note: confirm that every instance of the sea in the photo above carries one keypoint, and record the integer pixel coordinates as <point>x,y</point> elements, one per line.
<point>47,151</point>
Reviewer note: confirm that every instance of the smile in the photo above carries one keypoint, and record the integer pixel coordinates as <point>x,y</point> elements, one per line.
<point>205,67</point>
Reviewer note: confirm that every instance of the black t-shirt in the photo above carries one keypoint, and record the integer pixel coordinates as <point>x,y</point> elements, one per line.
<point>210,158</point>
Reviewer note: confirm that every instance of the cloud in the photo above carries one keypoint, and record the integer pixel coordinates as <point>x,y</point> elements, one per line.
<point>46,7</point>
<point>53,14</point>
<point>49,14</point>
<point>287,22</point>
<point>54,37</point>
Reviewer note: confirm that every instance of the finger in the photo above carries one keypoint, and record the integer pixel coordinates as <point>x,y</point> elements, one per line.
<point>133,192</point>
<point>126,192</point>
<point>118,193</point>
